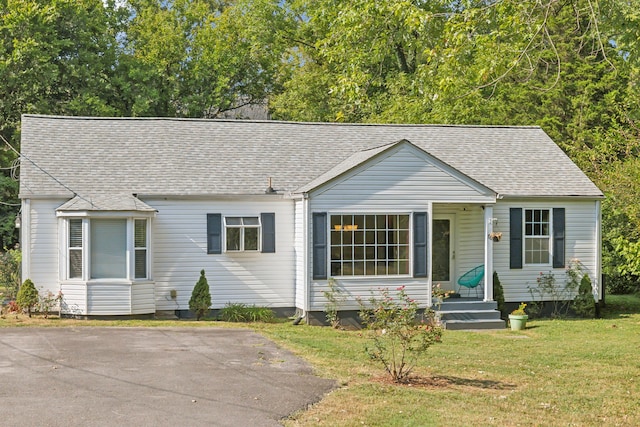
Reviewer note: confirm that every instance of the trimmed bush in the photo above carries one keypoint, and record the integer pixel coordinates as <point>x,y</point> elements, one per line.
<point>27,296</point>
<point>200,297</point>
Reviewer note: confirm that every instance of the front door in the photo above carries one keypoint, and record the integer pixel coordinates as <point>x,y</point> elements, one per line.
<point>444,254</point>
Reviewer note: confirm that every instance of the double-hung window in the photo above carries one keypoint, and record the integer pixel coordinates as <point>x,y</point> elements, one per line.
<point>537,236</point>
<point>75,244</point>
<point>140,243</point>
<point>369,245</point>
<point>242,233</point>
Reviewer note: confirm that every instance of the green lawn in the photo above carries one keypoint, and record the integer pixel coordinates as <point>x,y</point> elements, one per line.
<point>555,373</point>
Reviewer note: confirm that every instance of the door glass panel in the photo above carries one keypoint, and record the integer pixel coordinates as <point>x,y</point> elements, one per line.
<point>441,250</point>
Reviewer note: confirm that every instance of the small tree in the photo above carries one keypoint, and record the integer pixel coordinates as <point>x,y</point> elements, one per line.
<point>27,296</point>
<point>10,261</point>
<point>200,297</point>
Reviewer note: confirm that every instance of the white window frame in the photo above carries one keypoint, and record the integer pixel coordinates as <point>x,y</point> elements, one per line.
<point>130,248</point>
<point>80,249</point>
<point>527,237</point>
<point>354,268</point>
<point>243,225</point>
<point>144,248</point>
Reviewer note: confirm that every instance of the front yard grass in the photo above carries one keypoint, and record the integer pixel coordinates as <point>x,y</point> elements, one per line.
<point>555,373</point>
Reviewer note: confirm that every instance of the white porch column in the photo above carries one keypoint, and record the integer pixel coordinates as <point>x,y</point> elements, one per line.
<point>488,253</point>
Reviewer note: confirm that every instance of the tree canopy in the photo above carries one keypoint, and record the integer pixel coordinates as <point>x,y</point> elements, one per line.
<point>570,66</point>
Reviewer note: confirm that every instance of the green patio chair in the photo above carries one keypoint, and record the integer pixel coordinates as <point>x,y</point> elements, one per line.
<point>472,279</point>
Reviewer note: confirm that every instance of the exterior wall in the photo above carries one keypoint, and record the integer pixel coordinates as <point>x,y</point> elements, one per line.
<point>40,237</point>
<point>180,252</point>
<point>580,243</point>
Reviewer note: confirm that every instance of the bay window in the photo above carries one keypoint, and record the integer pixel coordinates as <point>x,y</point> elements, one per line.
<point>107,248</point>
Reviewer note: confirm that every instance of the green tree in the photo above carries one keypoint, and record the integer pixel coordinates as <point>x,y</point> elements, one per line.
<point>200,297</point>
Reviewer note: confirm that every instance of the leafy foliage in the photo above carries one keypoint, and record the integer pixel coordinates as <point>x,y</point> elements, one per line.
<point>335,298</point>
<point>238,312</point>
<point>498,295</point>
<point>584,304</point>
<point>27,296</point>
<point>200,300</point>
<point>10,271</point>
<point>397,338</point>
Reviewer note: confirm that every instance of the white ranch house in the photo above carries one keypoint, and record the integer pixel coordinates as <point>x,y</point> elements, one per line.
<point>121,214</point>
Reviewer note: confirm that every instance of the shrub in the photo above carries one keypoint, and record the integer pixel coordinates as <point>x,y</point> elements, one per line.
<point>396,335</point>
<point>10,263</point>
<point>584,304</point>
<point>47,302</point>
<point>238,312</point>
<point>200,297</point>
<point>334,299</point>
<point>498,295</point>
<point>27,296</point>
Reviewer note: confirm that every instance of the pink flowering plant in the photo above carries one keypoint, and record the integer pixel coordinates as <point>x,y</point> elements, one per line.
<point>397,335</point>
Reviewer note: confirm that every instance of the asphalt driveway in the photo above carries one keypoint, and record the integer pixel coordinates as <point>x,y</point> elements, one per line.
<point>149,377</point>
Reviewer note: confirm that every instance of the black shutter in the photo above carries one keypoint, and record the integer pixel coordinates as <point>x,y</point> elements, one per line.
<point>420,243</point>
<point>320,245</point>
<point>214,233</point>
<point>268,221</point>
<point>515,240</point>
<point>558,238</point>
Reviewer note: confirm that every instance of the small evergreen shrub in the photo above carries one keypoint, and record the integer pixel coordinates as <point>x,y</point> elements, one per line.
<point>200,297</point>
<point>584,304</point>
<point>498,295</point>
<point>238,312</point>
<point>27,296</point>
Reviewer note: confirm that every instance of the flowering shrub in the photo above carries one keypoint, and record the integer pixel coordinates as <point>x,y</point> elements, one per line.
<point>48,302</point>
<point>397,337</point>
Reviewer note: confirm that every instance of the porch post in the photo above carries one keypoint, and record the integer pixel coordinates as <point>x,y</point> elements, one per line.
<point>488,253</point>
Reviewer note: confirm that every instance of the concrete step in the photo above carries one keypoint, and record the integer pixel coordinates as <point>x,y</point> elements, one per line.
<point>460,325</point>
<point>459,304</point>
<point>469,315</point>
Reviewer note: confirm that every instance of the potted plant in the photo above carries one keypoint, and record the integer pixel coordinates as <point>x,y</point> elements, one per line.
<point>518,318</point>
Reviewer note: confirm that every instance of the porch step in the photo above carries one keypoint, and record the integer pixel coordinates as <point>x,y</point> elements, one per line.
<point>469,313</point>
<point>466,325</point>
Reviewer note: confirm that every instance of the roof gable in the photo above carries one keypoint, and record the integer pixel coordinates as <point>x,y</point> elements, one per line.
<point>150,156</point>
<point>399,167</point>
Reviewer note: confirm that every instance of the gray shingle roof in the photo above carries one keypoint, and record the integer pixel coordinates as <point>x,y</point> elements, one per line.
<point>118,156</point>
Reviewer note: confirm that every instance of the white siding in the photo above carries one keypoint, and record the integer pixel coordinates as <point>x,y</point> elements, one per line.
<point>74,300</point>
<point>43,246</point>
<point>143,298</point>
<point>108,298</point>
<point>580,243</point>
<point>405,178</point>
<point>180,252</point>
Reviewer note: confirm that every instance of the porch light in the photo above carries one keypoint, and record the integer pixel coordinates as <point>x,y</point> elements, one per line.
<point>18,221</point>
